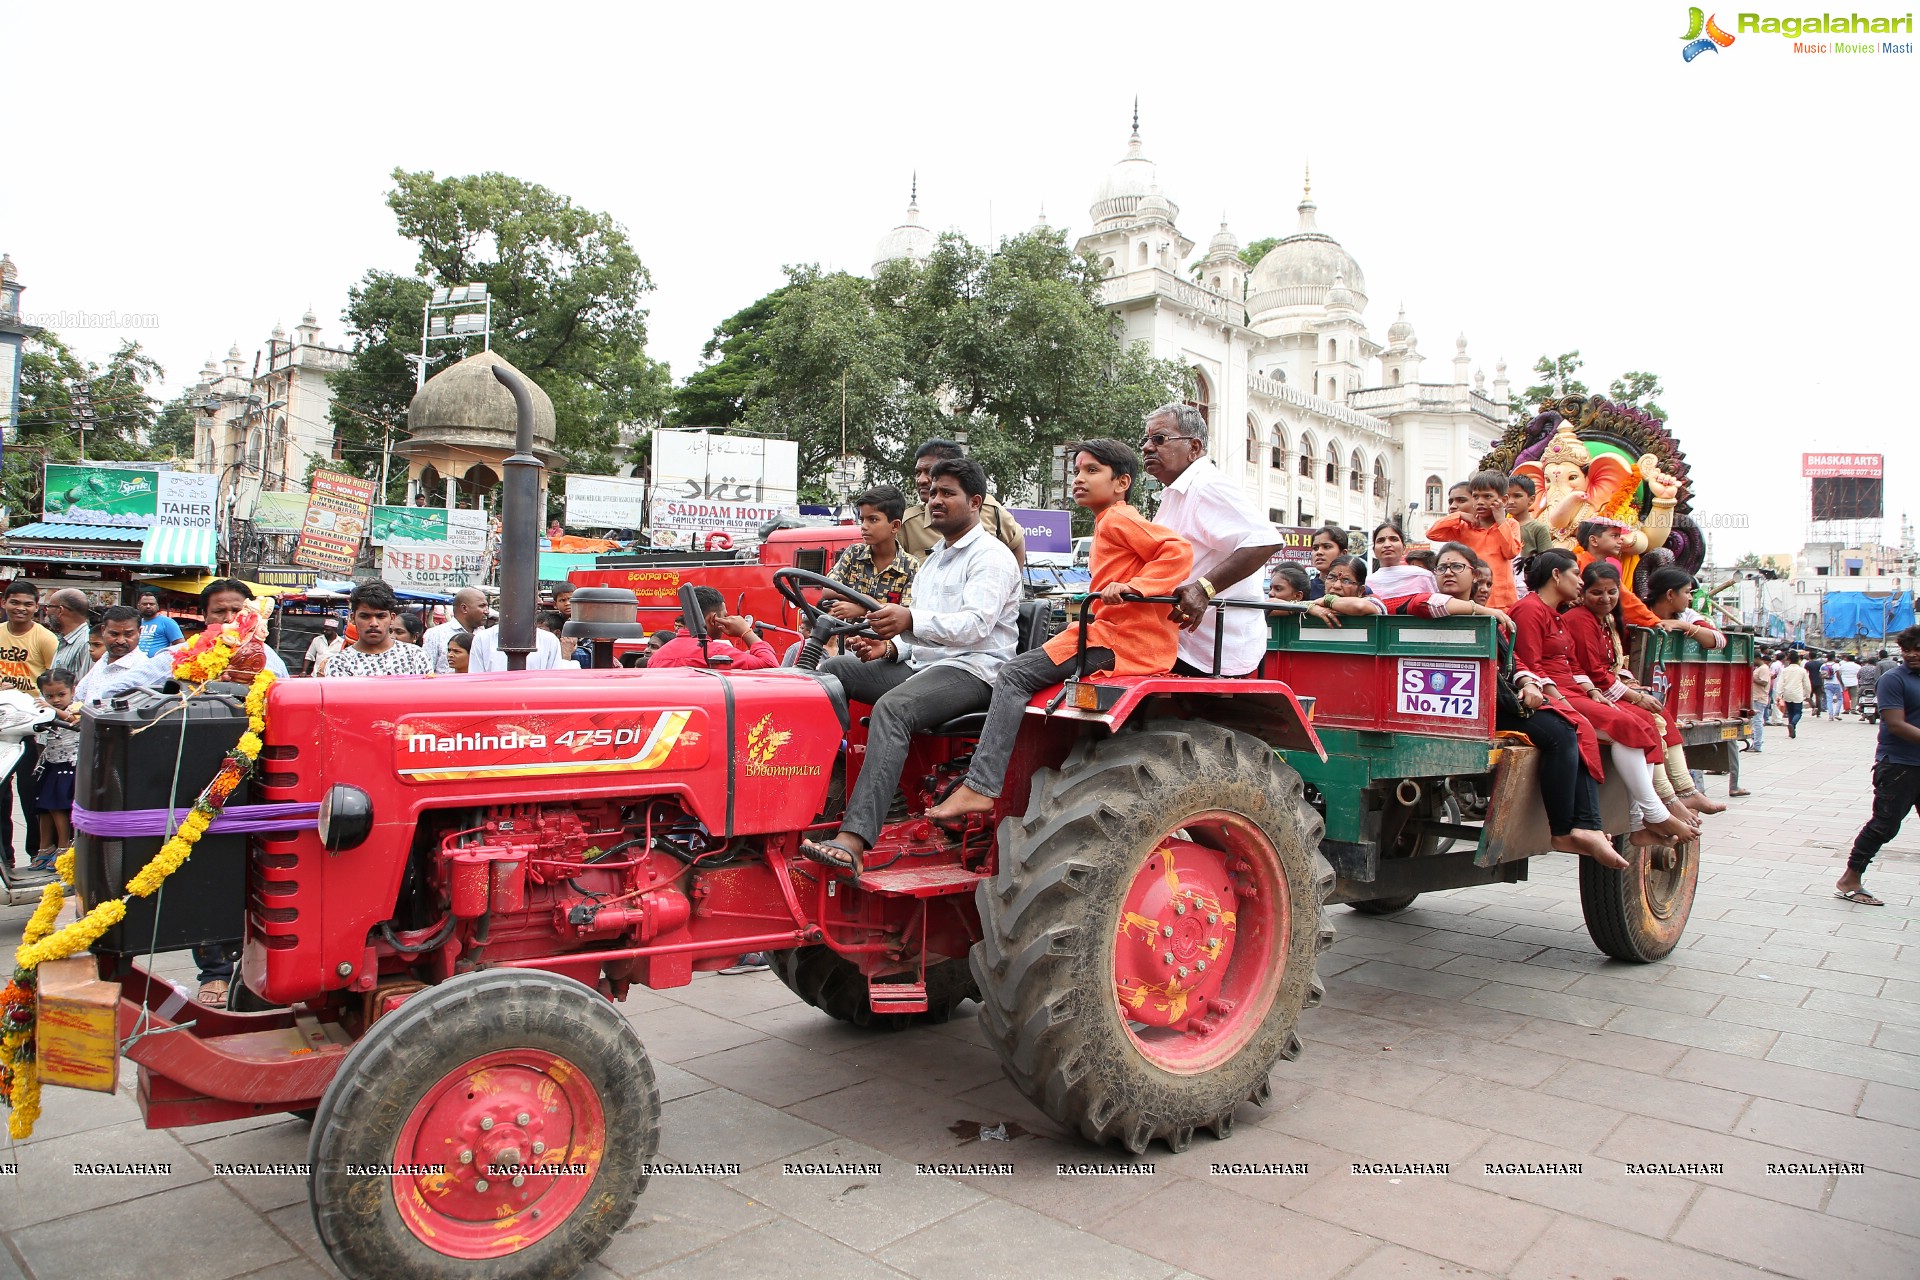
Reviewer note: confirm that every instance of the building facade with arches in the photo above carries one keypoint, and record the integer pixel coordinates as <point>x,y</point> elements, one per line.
<point>1317,419</point>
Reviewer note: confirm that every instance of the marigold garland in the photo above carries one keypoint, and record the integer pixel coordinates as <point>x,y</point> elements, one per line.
<point>206,659</point>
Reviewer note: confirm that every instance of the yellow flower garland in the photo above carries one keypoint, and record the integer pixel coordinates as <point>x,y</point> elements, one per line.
<point>40,943</point>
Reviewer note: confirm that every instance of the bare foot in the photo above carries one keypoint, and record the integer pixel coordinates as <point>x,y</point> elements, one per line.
<point>1645,838</point>
<point>1698,802</point>
<point>1590,844</point>
<point>1675,828</point>
<point>963,801</point>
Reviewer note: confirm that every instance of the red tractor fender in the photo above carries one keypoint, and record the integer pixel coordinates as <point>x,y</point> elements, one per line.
<point>1268,708</point>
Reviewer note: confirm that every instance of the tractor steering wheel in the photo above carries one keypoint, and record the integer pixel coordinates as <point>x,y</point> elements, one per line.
<point>822,625</point>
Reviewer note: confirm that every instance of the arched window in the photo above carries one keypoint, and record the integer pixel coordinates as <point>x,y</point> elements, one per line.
<point>1316,384</point>
<point>1333,462</point>
<point>1379,477</point>
<point>1306,455</point>
<point>1396,377</point>
<point>1356,468</point>
<point>1106,265</point>
<point>1216,284</point>
<point>1202,396</point>
<point>1143,253</point>
<point>1333,350</point>
<point>1436,490</point>
<point>1279,448</point>
<point>1333,388</point>
<point>1253,442</point>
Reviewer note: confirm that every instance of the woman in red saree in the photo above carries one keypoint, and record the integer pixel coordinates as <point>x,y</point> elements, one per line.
<point>1541,646</point>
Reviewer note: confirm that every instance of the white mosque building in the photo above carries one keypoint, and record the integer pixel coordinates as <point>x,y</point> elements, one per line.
<point>1318,421</point>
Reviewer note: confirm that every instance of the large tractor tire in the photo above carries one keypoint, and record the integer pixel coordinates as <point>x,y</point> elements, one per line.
<point>832,984</point>
<point>1639,914</point>
<point>1383,906</point>
<point>1151,933</point>
<point>493,1077</point>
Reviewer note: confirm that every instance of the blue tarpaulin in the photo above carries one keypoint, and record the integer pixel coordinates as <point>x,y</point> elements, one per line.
<point>1851,615</point>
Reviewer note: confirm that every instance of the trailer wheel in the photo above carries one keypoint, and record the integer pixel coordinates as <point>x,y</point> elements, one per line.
<point>1383,906</point>
<point>834,985</point>
<point>1639,914</point>
<point>496,1125</point>
<point>1150,936</point>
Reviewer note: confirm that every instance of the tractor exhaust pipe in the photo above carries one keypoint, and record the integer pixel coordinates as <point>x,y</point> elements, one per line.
<point>519,529</point>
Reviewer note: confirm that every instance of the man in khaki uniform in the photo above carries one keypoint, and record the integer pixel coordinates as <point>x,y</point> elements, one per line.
<point>916,533</point>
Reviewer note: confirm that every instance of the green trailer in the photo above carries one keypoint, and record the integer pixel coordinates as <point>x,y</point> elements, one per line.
<point>1421,793</point>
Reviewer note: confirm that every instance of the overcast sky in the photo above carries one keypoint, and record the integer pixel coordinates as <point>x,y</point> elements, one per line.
<point>1539,177</point>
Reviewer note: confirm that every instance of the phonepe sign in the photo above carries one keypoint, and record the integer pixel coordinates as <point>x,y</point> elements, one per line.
<point>1049,535</point>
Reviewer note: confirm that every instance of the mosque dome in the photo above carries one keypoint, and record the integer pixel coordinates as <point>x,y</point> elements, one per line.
<point>1224,243</point>
<point>466,405</point>
<point>1400,332</point>
<point>1302,270</point>
<point>911,240</point>
<point>1131,180</point>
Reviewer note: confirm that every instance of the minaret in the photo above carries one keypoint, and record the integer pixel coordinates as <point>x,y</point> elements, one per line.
<point>1222,270</point>
<point>1462,362</point>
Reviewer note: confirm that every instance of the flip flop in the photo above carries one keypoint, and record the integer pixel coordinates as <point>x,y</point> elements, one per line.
<point>831,853</point>
<point>212,994</point>
<point>1859,897</point>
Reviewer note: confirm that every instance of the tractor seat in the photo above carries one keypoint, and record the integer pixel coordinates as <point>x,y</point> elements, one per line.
<point>1030,632</point>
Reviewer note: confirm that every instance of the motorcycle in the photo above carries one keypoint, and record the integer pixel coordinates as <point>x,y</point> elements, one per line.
<point>20,718</point>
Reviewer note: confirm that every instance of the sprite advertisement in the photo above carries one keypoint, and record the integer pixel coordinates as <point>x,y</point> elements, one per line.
<point>101,495</point>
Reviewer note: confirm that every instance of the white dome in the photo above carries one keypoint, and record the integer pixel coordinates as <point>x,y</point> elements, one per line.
<point>1302,270</point>
<point>1224,243</point>
<point>911,240</point>
<point>1127,184</point>
<point>1400,332</point>
<point>1340,298</point>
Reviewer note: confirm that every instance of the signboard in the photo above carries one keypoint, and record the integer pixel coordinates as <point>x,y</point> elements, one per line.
<point>435,567</point>
<point>101,495</point>
<point>1049,535</point>
<point>706,484</point>
<point>415,524</point>
<point>1296,545</point>
<point>1446,687</point>
<point>283,575</point>
<point>280,513</point>
<point>606,502</point>
<point>186,500</point>
<point>336,521</point>
<point>1855,466</point>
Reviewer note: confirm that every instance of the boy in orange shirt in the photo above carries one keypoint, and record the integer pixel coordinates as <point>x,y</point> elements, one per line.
<point>1130,556</point>
<point>1486,527</point>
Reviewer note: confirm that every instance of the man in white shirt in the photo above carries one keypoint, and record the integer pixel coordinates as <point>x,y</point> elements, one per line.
<point>220,602</point>
<point>935,659</point>
<point>1230,541</point>
<point>1849,683</point>
<point>469,614</point>
<point>119,667</point>
<point>324,646</point>
<point>488,656</point>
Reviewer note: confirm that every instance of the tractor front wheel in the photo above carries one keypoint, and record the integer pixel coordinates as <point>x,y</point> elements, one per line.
<point>1150,936</point>
<point>1639,914</point>
<point>499,1124</point>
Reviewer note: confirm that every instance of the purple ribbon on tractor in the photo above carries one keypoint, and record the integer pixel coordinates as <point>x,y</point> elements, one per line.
<point>234,820</point>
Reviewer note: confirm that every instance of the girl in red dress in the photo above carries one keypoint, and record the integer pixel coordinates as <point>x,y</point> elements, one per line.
<point>1542,647</point>
<point>1596,627</point>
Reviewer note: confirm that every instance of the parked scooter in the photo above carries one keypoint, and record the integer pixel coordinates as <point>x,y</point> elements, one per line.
<point>20,718</point>
<point>1867,702</point>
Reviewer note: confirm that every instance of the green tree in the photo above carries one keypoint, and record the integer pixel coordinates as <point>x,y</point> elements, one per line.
<point>172,432</point>
<point>566,286</point>
<point>1638,389</point>
<point>1557,378</point>
<point>51,415</point>
<point>1008,350</point>
<point>1252,254</point>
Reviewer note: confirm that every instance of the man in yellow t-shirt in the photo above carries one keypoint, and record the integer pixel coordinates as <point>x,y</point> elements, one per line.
<point>26,650</point>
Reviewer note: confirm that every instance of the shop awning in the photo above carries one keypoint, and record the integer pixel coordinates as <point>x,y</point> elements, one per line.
<point>171,544</point>
<point>194,586</point>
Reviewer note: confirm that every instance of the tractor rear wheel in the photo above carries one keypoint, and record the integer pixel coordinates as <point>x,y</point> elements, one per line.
<point>1150,936</point>
<point>1639,914</point>
<point>498,1124</point>
<point>834,985</point>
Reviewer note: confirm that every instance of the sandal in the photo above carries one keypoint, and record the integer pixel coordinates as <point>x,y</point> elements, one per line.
<point>212,993</point>
<point>1859,897</point>
<point>831,853</point>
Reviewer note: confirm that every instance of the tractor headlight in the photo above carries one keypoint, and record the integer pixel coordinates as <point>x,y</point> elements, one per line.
<point>346,817</point>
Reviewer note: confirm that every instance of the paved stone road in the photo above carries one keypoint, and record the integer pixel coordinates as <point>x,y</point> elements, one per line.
<point>1480,1026</point>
